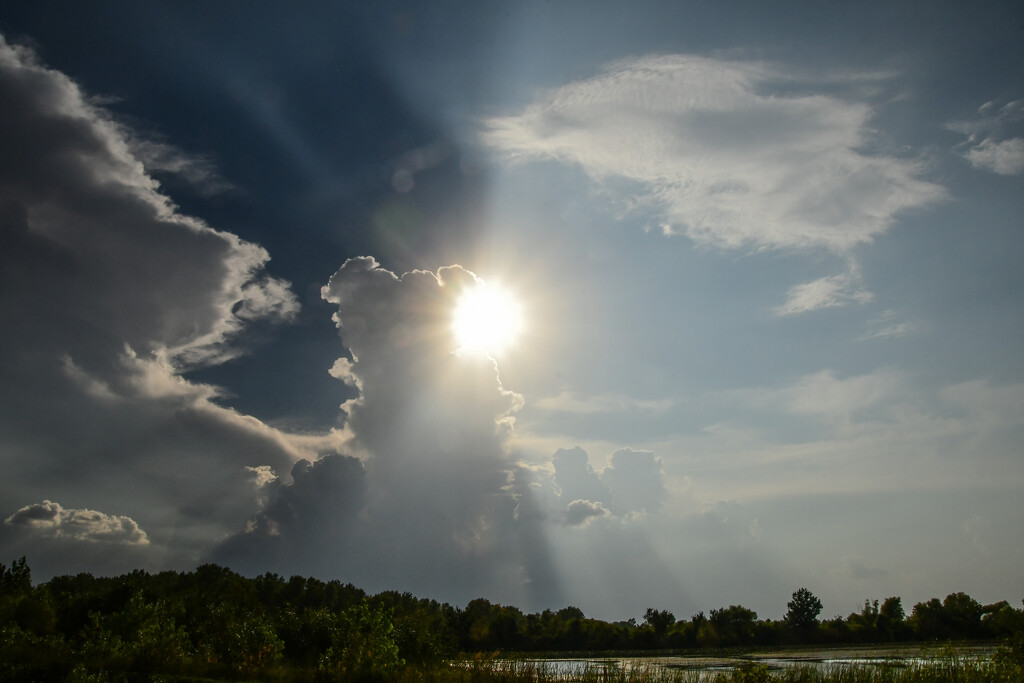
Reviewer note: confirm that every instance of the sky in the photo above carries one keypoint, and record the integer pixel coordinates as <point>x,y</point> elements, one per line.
<point>766,259</point>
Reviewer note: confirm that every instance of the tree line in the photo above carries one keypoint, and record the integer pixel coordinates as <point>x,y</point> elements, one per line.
<point>215,622</point>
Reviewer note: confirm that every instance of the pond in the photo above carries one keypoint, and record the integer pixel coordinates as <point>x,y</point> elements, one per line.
<point>828,658</point>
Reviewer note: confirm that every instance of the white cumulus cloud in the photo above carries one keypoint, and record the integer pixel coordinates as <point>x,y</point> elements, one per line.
<point>50,519</point>
<point>730,153</point>
<point>582,511</point>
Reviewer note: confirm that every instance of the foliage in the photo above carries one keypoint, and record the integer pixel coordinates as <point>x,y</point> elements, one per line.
<point>363,647</point>
<point>751,672</point>
<point>735,625</point>
<point>213,623</point>
<point>140,637</point>
<point>17,579</point>
<point>659,620</point>
<point>804,609</point>
<point>1011,655</point>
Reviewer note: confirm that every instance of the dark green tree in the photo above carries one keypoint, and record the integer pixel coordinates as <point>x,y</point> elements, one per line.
<point>735,625</point>
<point>864,625</point>
<point>364,647</point>
<point>141,637</point>
<point>1000,620</point>
<point>659,620</point>
<point>803,610</point>
<point>928,620</point>
<point>17,579</point>
<point>890,618</point>
<point>570,612</point>
<point>963,615</point>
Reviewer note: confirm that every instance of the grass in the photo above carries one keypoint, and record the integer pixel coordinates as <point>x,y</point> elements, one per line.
<point>942,669</point>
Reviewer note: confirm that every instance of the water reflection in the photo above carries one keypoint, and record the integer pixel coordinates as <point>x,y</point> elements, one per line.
<point>704,667</point>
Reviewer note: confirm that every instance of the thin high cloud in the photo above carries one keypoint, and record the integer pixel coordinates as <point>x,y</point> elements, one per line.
<point>868,432</point>
<point>581,404</point>
<point>826,292</point>
<point>732,154</point>
<point>995,138</point>
<point>888,325</point>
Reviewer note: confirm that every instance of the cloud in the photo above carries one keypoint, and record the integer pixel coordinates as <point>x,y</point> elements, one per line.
<point>826,292</point>
<point>888,325</point>
<point>995,138</point>
<point>856,568</point>
<point>313,510</point>
<point>78,206</point>
<point>108,294</point>
<point>50,519</point>
<point>825,396</point>
<point>1005,157</point>
<point>633,482</point>
<point>862,434</point>
<point>730,153</point>
<point>636,481</point>
<point>569,402</point>
<point>161,157</point>
<point>582,511</point>
<point>576,479</point>
<point>423,495</point>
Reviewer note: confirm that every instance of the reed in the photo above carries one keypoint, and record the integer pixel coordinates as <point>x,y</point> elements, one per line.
<point>943,669</point>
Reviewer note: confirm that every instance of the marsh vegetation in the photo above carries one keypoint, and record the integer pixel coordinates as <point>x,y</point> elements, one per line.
<point>213,624</point>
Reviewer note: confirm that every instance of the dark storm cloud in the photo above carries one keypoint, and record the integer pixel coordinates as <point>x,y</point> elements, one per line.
<point>107,293</point>
<point>314,511</point>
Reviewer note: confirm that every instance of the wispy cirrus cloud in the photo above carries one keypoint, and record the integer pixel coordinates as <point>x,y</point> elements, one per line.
<point>582,404</point>
<point>732,154</point>
<point>888,325</point>
<point>826,292</point>
<point>995,138</point>
<point>196,169</point>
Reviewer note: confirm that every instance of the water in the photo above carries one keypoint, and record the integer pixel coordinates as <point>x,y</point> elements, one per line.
<point>781,659</point>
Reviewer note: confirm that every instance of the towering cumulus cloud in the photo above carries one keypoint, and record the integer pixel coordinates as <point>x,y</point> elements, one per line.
<point>428,505</point>
<point>107,293</point>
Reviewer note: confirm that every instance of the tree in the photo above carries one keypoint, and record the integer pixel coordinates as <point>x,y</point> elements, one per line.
<point>17,579</point>
<point>865,624</point>
<point>804,609</point>
<point>735,624</point>
<point>364,648</point>
<point>929,620</point>
<point>659,620</point>
<point>963,615</point>
<point>890,618</point>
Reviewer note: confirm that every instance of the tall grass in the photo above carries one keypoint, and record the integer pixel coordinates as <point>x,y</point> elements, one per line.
<point>944,669</point>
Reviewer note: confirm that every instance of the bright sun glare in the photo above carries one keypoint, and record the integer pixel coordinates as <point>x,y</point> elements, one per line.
<point>487,319</point>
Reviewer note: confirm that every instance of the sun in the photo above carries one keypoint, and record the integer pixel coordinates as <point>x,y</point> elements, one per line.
<point>487,319</point>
